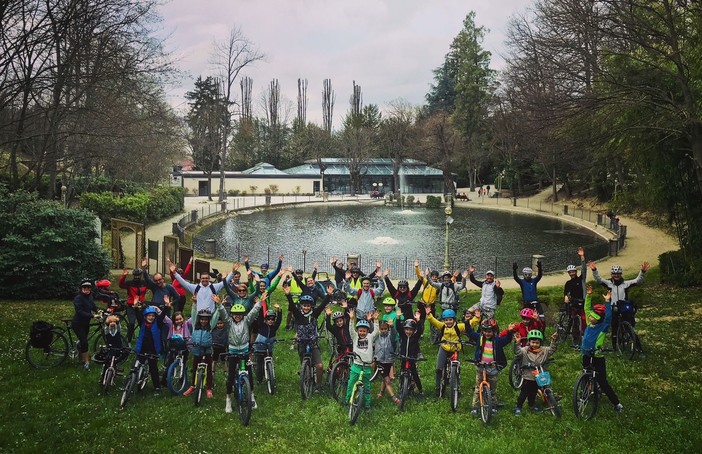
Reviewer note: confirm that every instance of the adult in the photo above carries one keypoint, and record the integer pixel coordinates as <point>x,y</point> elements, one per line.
<point>309,286</point>
<point>85,310</point>
<point>527,284</point>
<point>179,303</point>
<point>366,295</point>
<point>574,293</point>
<point>264,274</point>
<point>491,293</point>
<point>160,290</point>
<point>202,292</point>
<point>619,288</point>
<point>136,295</point>
<point>403,296</point>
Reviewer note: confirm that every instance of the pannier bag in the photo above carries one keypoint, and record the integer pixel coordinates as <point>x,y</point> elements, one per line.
<point>40,335</point>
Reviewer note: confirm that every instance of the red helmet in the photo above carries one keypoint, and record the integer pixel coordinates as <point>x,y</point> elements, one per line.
<point>104,283</point>
<point>527,313</point>
<point>599,309</point>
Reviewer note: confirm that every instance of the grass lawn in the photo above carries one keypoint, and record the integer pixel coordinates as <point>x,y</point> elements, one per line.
<point>62,410</point>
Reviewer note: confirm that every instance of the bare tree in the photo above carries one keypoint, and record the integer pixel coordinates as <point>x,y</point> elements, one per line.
<point>441,144</point>
<point>398,136</point>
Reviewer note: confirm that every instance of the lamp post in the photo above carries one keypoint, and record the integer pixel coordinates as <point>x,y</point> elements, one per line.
<point>449,220</point>
<point>63,194</point>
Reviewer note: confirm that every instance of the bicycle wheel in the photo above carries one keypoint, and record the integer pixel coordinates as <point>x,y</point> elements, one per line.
<point>585,397</point>
<point>485,403</point>
<point>355,404</point>
<point>376,372</point>
<point>551,402</point>
<point>99,341</point>
<point>107,379</point>
<point>562,326</point>
<point>245,400</point>
<point>128,388</point>
<point>404,390</point>
<point>270,377</point>
<point>626,340</point>
<point>50,356</point>
<point>306,379</point>
<point>444,382</point>
<point>143,376</point>
<point>339,380</point>
<point>515,374</point>
<point>177,378</point>
<point>454,387</point>
<point>199,384</point>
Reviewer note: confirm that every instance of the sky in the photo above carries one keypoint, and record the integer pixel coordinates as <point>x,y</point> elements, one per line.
<point>388,47</point>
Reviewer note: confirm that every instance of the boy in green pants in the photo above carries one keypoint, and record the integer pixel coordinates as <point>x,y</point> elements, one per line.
<point>363,347</point>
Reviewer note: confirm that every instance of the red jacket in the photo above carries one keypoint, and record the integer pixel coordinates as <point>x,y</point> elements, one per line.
<point>135,289</point>
<point>524,330</point>
<point>176,285</point>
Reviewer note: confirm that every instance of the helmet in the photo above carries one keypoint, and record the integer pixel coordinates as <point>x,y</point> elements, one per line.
<point>238,309</point>
<point>570,268</point>
<point>362,323</point>
<point>448,313</point>
<point>434,273</point>
<point>527,313</point>
<point>403,283</point>
<point>616,269</point>
<point>338,295</point>
<point>205,313</point>
<point>306,299</point>
<point>86,283</point>
<point>271,315</point>
<point>535,334</point>
<point>411,324</point>
<point>488,324</point>
<point>365,279</point>
<point>264,266</point>
<point>137,272</point>
<point>104,283</point>
<point>527,270</point>
<point>337,315</point>
<point>355,269</point>
<point>150,310</point>
<point>490,272</point>
<point>299,271</point>
<point>445,273</point>
<point>389,301</point>
<point>599,310</point>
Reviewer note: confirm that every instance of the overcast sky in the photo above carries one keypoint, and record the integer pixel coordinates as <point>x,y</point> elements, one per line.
<point>389,47</point>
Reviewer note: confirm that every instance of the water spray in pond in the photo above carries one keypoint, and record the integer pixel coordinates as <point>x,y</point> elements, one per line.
<point>383,240</point>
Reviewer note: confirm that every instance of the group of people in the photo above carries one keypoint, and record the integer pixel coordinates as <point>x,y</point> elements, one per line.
<point>246,320</point>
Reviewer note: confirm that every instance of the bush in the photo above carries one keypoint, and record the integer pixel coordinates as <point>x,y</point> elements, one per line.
<point>159,204</point>
<point>45,249</point>
<point>233,192</point>
<point>680,270</point>
<point>433,201</point>
<point>410,200</point>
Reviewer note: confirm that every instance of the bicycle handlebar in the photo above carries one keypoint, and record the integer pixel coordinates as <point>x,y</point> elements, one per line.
<point>408,358</point>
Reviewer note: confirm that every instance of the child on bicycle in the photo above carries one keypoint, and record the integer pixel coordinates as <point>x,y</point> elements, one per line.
<point>536,355</point>
<point>151,322</point>
<point>449,337</point>
<point>239,336</point>
<point>530,321</point>
<point>177,340</point>
<point>384,348</point>
<point>219,343</point>
<point>489,349</point>
<point>113,344</point>
<point>201,348</point>
<point>363,343</point>
<point>268,325</point>
<point>409,345</point>
<point>599,317</point>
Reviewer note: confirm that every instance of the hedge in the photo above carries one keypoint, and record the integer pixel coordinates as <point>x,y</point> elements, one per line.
<point>148,208</point>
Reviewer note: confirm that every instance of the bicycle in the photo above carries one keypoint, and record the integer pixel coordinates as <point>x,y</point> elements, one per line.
<point>569,318</point>
<point>339,374</point>
<point>628,342</point>
<point>199,383</point>
<point>515,373</point>
<point>355,402</point>
<point>484,391</point>
<point>451,376</point>
<point>406,382</point>
<point>243,388</point>
<point>268,369</point>
<point>177,374</point>
<point>109,369</point>
<point>543,382</point>
<point>307,372</point>
<point>586,393</point>
<point>137,378</point>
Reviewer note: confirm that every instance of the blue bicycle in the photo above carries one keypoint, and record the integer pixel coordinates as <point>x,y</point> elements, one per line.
<point>243,388</point>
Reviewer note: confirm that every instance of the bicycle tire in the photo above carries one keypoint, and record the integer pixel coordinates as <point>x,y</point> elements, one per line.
<point>143,375</point>
<point>585,397</point>
<point>626,340</point>
<point>443,382</point>
<point>515,374</point>
<point>551,402</point>
<point>245,400</point>
<point>177,377</point>
<point>454,387</point>
<point>355,404</point>
<point>50,356</point>
<point>404,390</point>
<point>128,388</point>
<point>100,341</point>
<point>376,372</point>
<point>485,403</point>
<point>258,367</point>
<point>339,380</point>
<point>563,326</point>
<point>199,381</point>
<point>270,377</point>
<point>107,378</point>
<point>306,379</point>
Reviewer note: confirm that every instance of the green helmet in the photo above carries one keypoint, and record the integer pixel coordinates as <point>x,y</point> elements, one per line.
<point>389,301</point>
<point>535,334</point>
<point>238,309</point>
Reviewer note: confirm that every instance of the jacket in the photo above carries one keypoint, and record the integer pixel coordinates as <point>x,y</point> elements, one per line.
<point>448,292</point>
<point>528,287</point>
<point>536,358</point>
<point>449,334</point>
<point>620,291</point>
<point>239,334</point>
<point>201,340</point>
<point>409,346</point>
<point>594,335</point>
<point>490,294</point>
<point>429,294</point>
<point>499,342</point>
<point>385,347</point>
<point>364,347</point>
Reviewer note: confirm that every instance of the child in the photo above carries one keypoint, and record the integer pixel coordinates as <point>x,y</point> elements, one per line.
<point>202,349</point>
<point>219,343</point>
<point>489,349</point>
<point>599,317</point>
<point>338,325</point>
<point>177,340</point>
<point>530,321</point>
<point>389,307</point>
<point>384,348</point>
<point>113,344</point>
<point>409,346</point>
<point>362,346</point>
<point>449,332</point>
<point>238,329</point>
<point>149,339</point>
<point>268,326</point>
<point>536,355</point>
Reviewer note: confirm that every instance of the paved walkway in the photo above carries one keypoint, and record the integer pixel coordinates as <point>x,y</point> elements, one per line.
<point>643,243</point>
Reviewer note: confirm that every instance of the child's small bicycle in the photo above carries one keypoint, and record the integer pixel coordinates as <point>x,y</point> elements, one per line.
<point>356,400</point>
<point>406,382</point>
<point>484,391</point>
<point>515,373</point>
<point>264,363</point>
<point>586,393</point>
<point>543,381</point>
<point>243,388</point>
<point>451,376</point>
<point>114,357</point>
<point>199,384</point>
<point>177,375</point>
<point>339,374</point>
<point>628,342</point>
<point>137,378</point>
<point>307,375</point>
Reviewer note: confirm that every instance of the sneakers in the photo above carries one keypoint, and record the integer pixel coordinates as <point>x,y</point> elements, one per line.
<point>209,394</point>
<point>420,356</point>
<point>420,395</point>
<point>474,411</point>
<point>86,366</point>
<point>396,400</point>
<point>517,411</point>
<point>228,405</point>
<point>254,405</point>
<point>157,391</point>
<point>535,409</point>
<point>189,391</point>
<point>619,408</point>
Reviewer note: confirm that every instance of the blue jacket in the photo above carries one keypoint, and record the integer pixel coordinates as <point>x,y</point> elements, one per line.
<point>154,333</point>
<point>528,287</point>
<point>594,335</point>
<point>201,340</point>
<point>499,341</point>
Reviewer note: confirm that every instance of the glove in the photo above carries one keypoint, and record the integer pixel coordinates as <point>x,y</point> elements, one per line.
<point>514,266</point>
<point>538,264</point>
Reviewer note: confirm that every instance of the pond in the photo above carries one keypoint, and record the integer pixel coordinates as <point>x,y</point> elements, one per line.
<point>489,239</point>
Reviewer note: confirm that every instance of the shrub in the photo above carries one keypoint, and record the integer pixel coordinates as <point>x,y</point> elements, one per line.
<point>433,201</point>
<point>233,192</point>
<point>679,269</point>
<point>273,188</point>
<point>161,203</point>
<point>410,200</point>
<point>45,249</point>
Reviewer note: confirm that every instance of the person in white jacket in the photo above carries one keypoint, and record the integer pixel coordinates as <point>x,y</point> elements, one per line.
<point>363,342</point>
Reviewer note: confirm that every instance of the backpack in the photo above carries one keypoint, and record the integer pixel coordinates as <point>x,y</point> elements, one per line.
<point>455,295</point>
<point>443,328</point>
<point>40,334</point>
<point>360,291</point>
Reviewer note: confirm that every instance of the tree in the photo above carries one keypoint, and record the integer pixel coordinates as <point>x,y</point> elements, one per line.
<point>441,144</point>
<point>358,136</point>
<point>398,136</point>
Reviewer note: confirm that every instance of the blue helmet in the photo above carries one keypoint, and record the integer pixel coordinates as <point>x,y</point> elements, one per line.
<point>264,266</point>
<point>448,313</point>
<point>150,310</point>
<point>306,299</point>
<point>363,323</point>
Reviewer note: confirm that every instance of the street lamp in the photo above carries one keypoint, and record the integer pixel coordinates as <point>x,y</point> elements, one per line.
<point>449,221</point>
<point>63,194</point>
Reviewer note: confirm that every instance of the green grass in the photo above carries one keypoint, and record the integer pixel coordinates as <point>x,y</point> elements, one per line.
<point>62,410</point>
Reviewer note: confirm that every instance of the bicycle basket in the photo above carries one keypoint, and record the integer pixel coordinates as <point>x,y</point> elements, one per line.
<point>543,378</point>
<point>626,307</point>
<point>40,334</point>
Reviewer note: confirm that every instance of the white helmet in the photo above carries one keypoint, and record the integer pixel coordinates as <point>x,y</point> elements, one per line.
<point>616,269</point>
<point>527,270</point>
<point>570,268</point>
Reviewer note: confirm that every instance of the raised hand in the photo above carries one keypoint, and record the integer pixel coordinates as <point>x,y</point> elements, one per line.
<point>347,275</point>
<point>235,266</point>
<point>416,263</point>
<point>581,253</point>
<point>216,299</point>
<point>316,266</point>
<point>330,289</point>
<point>517,337</point>
<point>144,262</point>
<point>398,312</point>
<point>126,271</point>
<point>645,266</point>
<point>167,300</point>
<point>286,289</point>
<point>498,283</point>
<point>352,314</point>
<point>344,304</point>
<point>276,306</point>
<point>465,274</point>
<point>171,267</point>
<point>246,259</point>
<point>608,296</point>
<point>589,290</point>
<point>280,258</point>
<point>471,269</point>
<point>378,264</point>
<point>387,272</point>
<point>554,336</point>
<point>427,309</point>
<point>592,265</point>
<point>511,326</point>
<point>328,310</point>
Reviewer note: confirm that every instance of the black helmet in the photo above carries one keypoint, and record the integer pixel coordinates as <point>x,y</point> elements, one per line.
<point>411,324</point>
<point>271,315</point>
<point>299,271</point>
<point>86,283</point>
<point>137,272</point>
<point>355,269</point>
<point>338,295</point>
<point>403,283</point>
<point>434,273</point>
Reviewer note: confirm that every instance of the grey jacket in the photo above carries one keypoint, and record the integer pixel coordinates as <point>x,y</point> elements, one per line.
<point>385,347</point>
<point>239,333</point>
<point>619,291</point>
